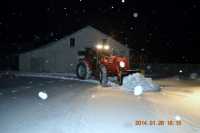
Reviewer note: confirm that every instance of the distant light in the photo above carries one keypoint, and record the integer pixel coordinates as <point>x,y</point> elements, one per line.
<point>138,90</point>
<point>112,7</point>
<point>177,117</point>
<point>135,15</point>
<point>180,71</point>
<point>65,8</point>
<point>123,1</point>
<point>43,95</point>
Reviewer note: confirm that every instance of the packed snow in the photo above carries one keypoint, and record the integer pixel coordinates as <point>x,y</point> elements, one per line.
<point>83,107</point>
<point>138,90</point>
<point>138,83</point>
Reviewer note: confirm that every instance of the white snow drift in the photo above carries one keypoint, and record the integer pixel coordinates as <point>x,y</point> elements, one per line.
<point>138,83</point>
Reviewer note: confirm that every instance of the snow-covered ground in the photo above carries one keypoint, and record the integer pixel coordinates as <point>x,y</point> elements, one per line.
<point>46,105</point>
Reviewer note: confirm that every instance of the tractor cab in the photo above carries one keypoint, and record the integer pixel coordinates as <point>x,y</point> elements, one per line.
<point>100,63</point>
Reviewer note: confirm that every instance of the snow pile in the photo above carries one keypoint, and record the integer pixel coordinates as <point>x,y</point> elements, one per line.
<point>138,83</point>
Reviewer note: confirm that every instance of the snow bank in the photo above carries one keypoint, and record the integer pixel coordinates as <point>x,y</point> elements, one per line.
<point>133,81</point>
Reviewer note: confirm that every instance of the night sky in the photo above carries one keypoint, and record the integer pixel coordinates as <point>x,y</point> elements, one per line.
<point>167,31</point>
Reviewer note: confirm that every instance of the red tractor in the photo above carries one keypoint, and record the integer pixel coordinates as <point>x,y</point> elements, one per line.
<point>100,63</point>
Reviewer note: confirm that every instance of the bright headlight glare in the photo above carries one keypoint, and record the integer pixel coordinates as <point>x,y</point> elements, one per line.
<point>99,46</point>
<point>106,47</point>
<point>122,64</point>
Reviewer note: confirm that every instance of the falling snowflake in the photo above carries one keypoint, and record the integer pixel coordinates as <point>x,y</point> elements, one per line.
<point>131,28</point>
<point>112,7</point>
<point>123,1</point>
<point>142,49</point>
<point>180,71</point>
<point>42,95</point>
<point>135,14</point>
<point>148,67</point>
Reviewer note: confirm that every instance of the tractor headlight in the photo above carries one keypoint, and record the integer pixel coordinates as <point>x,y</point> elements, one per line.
<point>106,47</point>
<point>122,64</point>
<point>99,46</point>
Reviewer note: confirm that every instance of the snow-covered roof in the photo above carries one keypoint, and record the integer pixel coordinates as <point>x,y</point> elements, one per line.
<point>76,32</point>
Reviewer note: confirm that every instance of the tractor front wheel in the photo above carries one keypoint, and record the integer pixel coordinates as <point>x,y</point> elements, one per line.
<point>83,71</point>
<point>103,75</point>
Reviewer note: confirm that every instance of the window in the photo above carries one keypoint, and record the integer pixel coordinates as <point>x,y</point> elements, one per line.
<point>104,41</point>
<point>72,42</point>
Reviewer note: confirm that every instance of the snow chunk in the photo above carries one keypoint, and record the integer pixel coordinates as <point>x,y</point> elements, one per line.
<point>138,83</point>
<point>43,95</point>
<point>138,90</point>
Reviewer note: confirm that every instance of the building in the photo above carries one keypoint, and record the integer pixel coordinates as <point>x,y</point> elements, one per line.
<point>61,56</point>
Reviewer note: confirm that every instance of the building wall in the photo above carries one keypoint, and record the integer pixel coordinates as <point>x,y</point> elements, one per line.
<point>60,57</point>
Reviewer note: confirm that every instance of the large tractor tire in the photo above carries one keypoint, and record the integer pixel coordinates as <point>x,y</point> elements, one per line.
<point>83,71</point>
<point>103,78</point>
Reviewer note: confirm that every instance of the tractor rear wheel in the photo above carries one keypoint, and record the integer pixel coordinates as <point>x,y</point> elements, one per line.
<point>83,71</point>
<point>103,75</point>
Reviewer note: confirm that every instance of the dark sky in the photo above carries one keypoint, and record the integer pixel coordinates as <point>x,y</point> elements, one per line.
<point>167,31</point>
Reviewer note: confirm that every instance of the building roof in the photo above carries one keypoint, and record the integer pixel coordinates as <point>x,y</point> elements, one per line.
<point>75,32</point>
